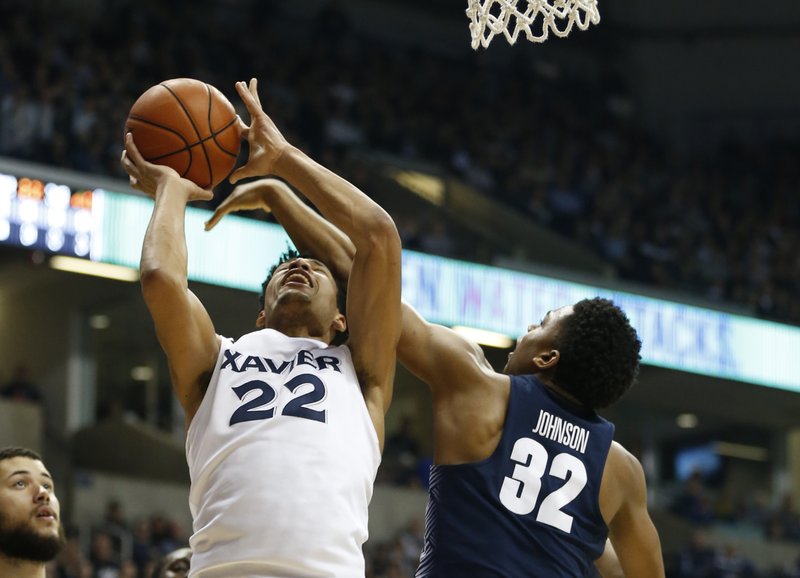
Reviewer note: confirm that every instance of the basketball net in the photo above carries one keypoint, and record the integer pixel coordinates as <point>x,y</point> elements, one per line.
<point>534,17</point>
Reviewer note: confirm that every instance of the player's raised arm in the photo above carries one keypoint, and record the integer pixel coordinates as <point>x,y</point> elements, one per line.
<point>309,231</point>
<point>423,347</point>
<point>373,301</point>
<point>430,351</point>
<point>182,324</point>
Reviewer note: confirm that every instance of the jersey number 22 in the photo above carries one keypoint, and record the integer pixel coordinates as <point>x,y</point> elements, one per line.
<point>254,410</point>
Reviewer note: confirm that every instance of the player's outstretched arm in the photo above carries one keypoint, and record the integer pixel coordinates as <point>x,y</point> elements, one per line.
<point>373,302</point>
<point>423,346</point>
<point>182,324</point>
<point>310,232</point>
<point>631,530</point>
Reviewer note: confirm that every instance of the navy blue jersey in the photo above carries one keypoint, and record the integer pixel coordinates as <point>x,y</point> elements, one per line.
<point>532,508</point>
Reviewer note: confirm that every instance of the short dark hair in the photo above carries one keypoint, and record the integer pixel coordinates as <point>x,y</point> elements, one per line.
<point>341,288</point>
<point>164,563</point>
<point>15,452</point>
<point>599,352</point>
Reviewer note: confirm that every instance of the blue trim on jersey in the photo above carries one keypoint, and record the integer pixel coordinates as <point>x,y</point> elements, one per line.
<point>532,508</point>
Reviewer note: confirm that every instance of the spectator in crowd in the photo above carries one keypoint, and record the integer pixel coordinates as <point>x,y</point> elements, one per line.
<point>697,559</point>
<point>729,563</point>
<point>401,456</point>
<point>105,562</point>
<point>694,502</point>
<point>115,526</point>
<point>20,387</point>
<point>71,563</point>
<point>784,522</point>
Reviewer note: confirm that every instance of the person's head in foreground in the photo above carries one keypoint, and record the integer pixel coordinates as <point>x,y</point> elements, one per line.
<point>31,533</point>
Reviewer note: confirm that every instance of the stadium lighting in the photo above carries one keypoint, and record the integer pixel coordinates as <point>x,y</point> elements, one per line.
<point>86,267</point>
<point>741,451</point>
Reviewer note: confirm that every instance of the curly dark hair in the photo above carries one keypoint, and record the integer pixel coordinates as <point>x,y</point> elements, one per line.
<point>341,289</point>
<point>599,353</point>
<point>14,452</point>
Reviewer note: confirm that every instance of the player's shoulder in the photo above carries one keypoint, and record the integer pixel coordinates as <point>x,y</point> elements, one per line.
<point>623,481</point>
<point>624,467</point>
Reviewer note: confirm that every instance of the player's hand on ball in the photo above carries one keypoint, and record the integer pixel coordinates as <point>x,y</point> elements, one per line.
<point>146,177</point>
<point>266,142</point>
<point>249,197</point>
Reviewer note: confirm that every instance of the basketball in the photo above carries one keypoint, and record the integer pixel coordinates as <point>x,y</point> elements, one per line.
<point>188,125</point>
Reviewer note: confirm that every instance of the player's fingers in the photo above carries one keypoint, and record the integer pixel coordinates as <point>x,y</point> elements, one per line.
<point>133,152</point>
<point>244,130</point>
<point>130,168</point>
<point>247,98</point>
<point>239,174</point>
<point>215,218</point>
<point>254,90</point>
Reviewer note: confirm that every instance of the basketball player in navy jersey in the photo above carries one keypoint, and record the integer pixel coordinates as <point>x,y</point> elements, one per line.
<point>527,480</point>
<point>284,429</point>
<point>31,533</point>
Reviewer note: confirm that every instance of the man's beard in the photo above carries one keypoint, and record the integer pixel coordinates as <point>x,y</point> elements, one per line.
<point>22,543</point>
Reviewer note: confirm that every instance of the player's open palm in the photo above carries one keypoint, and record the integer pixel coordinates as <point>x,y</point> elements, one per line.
<point>266,142</point>
<point>146,177</point>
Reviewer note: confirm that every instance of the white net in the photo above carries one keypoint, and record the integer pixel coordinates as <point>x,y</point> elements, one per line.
<point>536,18</point>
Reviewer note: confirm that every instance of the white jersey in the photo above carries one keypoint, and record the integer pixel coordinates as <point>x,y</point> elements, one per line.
<point>282,456</point>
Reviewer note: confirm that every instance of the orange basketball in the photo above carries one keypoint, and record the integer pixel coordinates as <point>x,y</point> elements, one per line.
<point>188,125</point>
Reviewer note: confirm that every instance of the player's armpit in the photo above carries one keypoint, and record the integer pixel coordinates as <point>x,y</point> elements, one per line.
<point>608,564</point>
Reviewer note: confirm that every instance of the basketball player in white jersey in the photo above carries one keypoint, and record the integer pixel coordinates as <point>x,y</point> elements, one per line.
<point>284,430</point>
<point>469,412</point>
<point>31,533</point>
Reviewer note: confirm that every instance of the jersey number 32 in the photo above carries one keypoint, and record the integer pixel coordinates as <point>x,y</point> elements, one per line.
<point>520,493</point>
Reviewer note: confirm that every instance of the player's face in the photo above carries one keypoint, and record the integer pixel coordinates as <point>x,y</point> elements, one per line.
<point>536,351</point>
<point>30,526</point>
<point>299,286</point>
<point>177,564</point>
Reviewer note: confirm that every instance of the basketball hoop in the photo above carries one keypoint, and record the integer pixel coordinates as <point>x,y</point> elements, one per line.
<point>537,18</point>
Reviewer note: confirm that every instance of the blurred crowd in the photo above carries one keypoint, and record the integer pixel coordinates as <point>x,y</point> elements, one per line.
<point>568,151</point>
<point>705,506</point>
<point>700,559</point>
<point>115,548</point>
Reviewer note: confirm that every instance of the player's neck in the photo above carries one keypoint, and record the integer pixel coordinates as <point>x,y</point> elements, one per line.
<point>298,322</point>
<point>561,392</point>
<point>21,568</point>
<point>294,330</point>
